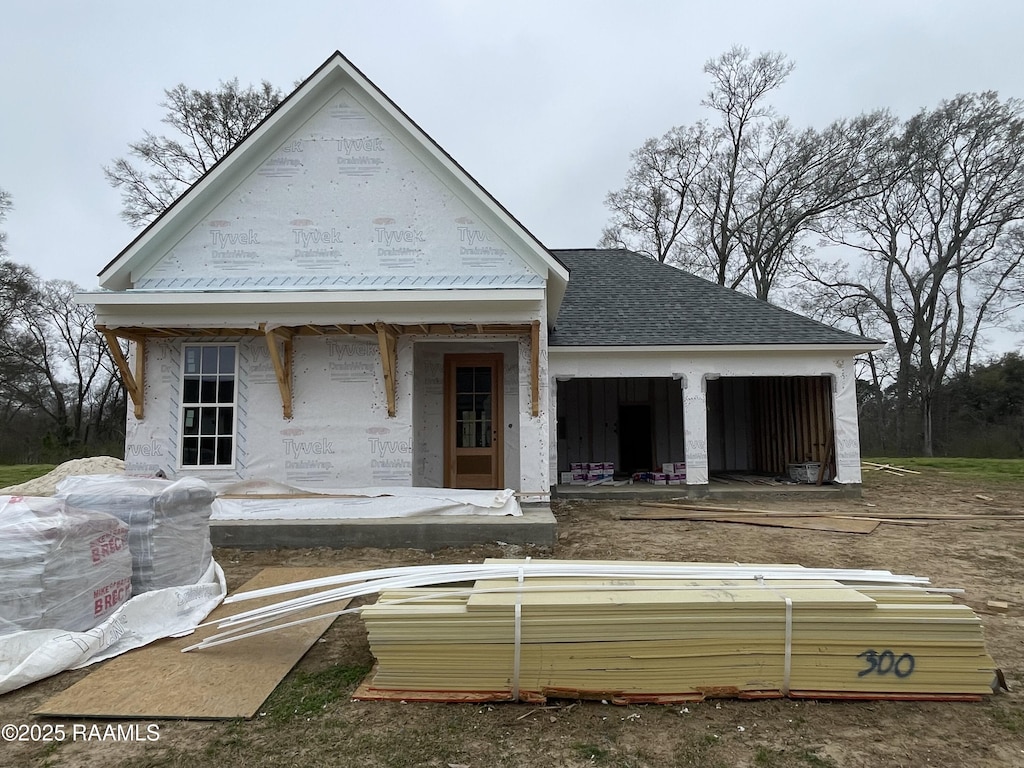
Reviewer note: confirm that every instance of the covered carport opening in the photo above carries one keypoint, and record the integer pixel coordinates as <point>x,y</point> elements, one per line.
<point>636,424</point>
<point>761,425</point>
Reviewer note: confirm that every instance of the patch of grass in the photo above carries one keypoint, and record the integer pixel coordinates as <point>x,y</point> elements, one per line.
<point>988,470</point>
<point>307,693</point>
<point>817,761</point>
<point>768,758</point>
<point>697,751</point>
<point>410,746</point>
<point>13,474</point>
<point>49,751</point>
<point>1010,719</point>
<point>591,752</point>
<point>232,739</point>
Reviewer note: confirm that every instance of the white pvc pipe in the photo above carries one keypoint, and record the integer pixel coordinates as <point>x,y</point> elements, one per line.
<point>374,581</point>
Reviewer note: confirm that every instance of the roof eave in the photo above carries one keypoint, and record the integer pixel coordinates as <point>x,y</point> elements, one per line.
<point>851,349</point>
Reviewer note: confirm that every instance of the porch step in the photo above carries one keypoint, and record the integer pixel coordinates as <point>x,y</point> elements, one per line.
<point>535,527</point>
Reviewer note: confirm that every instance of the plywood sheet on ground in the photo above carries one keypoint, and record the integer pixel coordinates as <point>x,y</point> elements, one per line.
<point>227,681</point>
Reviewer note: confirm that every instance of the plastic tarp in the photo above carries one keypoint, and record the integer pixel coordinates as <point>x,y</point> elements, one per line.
<point>35,654</point>
<point>61,567</point>
<point>168,523</point>
<point>262,500</point>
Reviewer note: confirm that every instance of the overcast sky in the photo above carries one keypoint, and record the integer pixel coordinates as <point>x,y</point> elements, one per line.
<point>541,102</point>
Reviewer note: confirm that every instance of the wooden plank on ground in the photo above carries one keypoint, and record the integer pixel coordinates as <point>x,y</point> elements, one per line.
<point>833,524</point>
<point>224,682</point>
<point>683,509</point>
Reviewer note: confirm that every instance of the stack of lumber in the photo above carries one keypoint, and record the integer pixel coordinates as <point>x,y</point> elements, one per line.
<point>641,631</point>
<point>675,639</point>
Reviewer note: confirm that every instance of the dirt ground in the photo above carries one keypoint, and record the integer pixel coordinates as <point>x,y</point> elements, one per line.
<point>311,720</point>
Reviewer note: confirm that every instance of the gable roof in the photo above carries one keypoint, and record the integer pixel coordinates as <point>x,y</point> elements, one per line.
<point>337,72</point>
<point>620,298</point>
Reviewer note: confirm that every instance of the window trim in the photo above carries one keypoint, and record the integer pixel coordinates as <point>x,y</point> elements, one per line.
<point>182,406</point>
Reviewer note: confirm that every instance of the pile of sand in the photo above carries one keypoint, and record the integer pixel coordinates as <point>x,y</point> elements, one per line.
<point>47,484</point>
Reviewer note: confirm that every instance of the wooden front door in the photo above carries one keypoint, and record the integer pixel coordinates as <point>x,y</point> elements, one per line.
<point>473,455</point>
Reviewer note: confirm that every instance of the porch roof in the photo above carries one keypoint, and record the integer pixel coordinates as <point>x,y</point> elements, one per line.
<point>620,298</point>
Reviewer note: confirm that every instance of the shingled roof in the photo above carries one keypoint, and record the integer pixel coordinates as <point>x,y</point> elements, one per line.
<point>621,298</point>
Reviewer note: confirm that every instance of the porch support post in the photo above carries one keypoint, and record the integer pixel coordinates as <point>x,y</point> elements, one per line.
<point>535,367</point>
<point>552,431</point>
<point>388,343</point>
<point>133,383</point>
<point>282,365</point>
<point>695,427</point>
<point>846,432</point>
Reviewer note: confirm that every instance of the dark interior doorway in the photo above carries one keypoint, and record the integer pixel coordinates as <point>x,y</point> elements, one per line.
<point>635,438</point>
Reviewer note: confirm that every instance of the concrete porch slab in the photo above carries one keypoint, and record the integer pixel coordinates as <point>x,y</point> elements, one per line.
<point>535,527</point>
<point>719,491</point>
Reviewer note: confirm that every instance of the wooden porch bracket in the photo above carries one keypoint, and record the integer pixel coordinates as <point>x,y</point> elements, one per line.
<point>387,340</point>
<point>135,383</point>
<point>282,362</point>
<point>535,366</point>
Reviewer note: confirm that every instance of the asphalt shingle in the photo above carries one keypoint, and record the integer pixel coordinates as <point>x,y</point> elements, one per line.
<point>620,298</point>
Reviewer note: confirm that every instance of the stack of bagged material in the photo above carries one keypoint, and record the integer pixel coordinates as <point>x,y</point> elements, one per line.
<point>665,639</point>
<point>61,568</point>
<point>168,523</point>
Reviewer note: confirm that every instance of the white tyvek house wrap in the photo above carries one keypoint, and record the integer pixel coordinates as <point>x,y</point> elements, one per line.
<point>534,473</point>
<point>342,204</point>
<point>340,435</point>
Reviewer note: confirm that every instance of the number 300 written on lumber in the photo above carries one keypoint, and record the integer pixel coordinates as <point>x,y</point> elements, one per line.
<point>885,662</point>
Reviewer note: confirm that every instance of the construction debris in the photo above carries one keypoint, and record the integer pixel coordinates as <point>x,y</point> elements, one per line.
<point>631,632</point>
<point>669,510</point>
<point>843,524</point>
<point>888,468</point>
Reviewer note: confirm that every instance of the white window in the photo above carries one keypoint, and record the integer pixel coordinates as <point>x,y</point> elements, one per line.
<point>208,405</point>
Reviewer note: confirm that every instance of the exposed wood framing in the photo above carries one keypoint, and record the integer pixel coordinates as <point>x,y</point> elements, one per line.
<point>387,340</point>
<point>134,383</point>
<point>282,364</point>
<point>794,421</point>
<point>535,367</point>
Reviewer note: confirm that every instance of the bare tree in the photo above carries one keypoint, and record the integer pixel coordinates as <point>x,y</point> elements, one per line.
<point>18,290</point>
<point>53,361</point>
<point>732,201</point>
<point>652,212</point>
<point>750,133</point>
<point>208,125</point>
<point>940,243</point>
<point>5,206</point>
